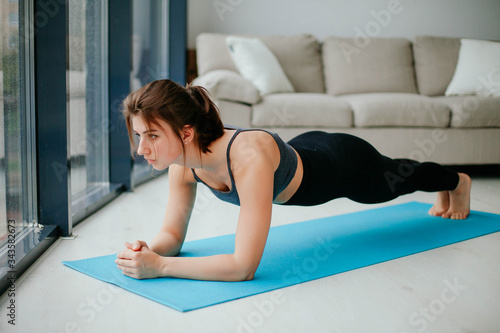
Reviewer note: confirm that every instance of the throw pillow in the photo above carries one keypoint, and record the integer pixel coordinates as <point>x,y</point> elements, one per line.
<point>478,69</point>
<point>228,85</point>
<point>257,63</point>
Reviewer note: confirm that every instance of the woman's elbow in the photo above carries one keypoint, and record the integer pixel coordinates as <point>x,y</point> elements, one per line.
<point>246,273</point>
<point>239,273</point>
<point>248,276</point>
<point>243,269</point>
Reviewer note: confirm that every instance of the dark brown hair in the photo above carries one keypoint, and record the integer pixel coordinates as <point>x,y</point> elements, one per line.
<point>178,106</point>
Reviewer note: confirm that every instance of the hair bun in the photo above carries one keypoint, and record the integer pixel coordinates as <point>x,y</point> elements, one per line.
<point>201,96</point>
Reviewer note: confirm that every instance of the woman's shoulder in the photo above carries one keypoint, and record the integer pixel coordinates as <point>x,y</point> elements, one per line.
<point>255,136</point>
<point>248,146</point>
<point>181,174</point>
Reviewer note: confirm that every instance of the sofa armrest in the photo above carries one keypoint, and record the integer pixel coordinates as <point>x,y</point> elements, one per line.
<point>228,85</point>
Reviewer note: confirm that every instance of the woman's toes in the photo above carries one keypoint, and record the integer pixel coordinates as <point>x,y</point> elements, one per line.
<point>441,205</point>
<point>458,216</point>
<point>460,199</point>
<point>435,212</point>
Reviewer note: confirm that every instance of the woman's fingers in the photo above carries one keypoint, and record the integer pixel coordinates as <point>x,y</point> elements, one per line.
<point>125,263</point>
<point>129,261</point>
<point>141,264</point>
<point>136,246</point>
<point>127,272</point>
<point>127,254</point>
<point>131,274</point>
<point>128,268</point>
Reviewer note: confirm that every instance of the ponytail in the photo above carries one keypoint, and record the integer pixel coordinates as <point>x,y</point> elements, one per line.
<point>209,126</point>
<point>177,106</point>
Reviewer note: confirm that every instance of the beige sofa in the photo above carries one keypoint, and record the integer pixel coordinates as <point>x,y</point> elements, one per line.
<point>389,91</point>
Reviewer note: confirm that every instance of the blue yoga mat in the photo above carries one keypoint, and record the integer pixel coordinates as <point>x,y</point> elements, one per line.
<point>304,251</point>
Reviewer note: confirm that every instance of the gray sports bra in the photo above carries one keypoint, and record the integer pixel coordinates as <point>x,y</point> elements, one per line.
<point>282,176</point>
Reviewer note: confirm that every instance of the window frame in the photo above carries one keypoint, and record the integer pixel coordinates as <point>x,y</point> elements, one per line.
<point>46,134</point>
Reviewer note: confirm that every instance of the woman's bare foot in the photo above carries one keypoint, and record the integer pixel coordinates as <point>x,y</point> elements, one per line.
<point>460,199</point>
<point>442,204</point>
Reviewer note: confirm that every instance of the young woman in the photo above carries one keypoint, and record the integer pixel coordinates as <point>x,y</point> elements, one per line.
<point>180,128</point>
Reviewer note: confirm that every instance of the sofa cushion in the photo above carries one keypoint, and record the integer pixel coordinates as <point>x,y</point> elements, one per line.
<point>435,62</point>
<point>258,64</point>
<point>478,69</point>
<point>301,110</point>
<point>379,65</point>
<point>298,55</point>
<point>397,109</point>
<point>472,111</point>
<point>227,85</point>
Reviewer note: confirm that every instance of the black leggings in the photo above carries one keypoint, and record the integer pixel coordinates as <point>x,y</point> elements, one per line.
<point>342,165</point>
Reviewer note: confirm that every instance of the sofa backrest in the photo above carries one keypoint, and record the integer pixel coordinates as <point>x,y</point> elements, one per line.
<point>435,62</point>
<point>354,66</point>
<point>298,55</point>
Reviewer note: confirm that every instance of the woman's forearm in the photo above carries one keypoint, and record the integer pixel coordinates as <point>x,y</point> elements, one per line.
<point>222,267</point>
<point>165,244</point>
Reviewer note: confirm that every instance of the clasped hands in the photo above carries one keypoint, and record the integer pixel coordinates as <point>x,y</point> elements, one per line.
<point>138,261</point>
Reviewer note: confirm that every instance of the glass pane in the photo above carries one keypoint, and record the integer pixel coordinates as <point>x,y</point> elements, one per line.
<point>11,144</point>
<point>88,105</point>
<point>149,57</point>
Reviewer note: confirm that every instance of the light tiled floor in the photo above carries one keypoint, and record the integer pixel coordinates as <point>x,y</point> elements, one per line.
<point>410,294</point>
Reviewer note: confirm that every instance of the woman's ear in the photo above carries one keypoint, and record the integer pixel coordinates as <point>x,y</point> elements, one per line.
<point>187,134</point>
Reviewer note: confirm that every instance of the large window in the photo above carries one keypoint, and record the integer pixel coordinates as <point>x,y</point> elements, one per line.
<point>13,146</point>
<point>88,104</point>
<point>18,213</point>
<point>149,57</point>
<point>65,67</point>
<point>11,159</point>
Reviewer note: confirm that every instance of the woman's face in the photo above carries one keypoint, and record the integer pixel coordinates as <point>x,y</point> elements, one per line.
<point>160,147</point>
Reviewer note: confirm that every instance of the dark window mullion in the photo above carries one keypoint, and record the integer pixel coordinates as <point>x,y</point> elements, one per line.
<point>51,116</point>
<point>120,39</point>
<point>177,40</point>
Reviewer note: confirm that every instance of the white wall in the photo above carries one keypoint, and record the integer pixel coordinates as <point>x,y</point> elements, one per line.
<point>321,18</point>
